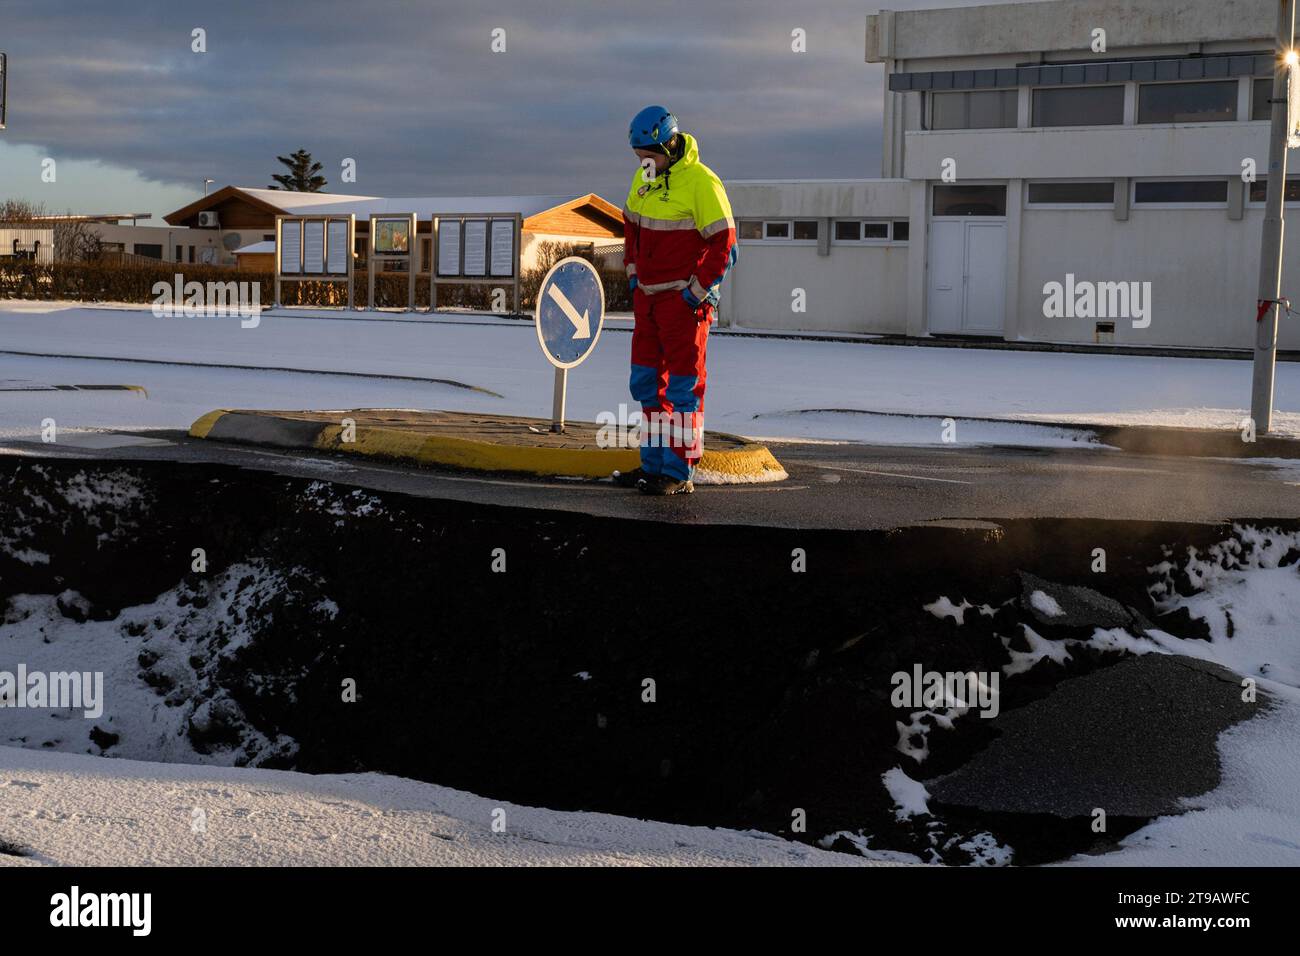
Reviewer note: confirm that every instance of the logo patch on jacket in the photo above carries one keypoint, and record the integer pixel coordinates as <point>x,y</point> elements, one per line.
<point>643,190</point>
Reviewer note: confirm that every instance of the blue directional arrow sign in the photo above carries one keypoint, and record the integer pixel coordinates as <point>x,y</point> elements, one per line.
<point>570,311</point>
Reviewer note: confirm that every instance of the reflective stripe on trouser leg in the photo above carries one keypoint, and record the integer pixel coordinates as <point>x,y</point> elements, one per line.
<point>648,379</point>
<point>683,336</point>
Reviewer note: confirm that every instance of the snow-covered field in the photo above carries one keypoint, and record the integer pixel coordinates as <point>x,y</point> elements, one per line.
<point>75,810</point>
<point>761,387</point>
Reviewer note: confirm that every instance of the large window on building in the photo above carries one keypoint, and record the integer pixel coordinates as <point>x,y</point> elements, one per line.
<point>970,200</point>
<point>1181,192</point>
<point>1079,106</point>
<point>1214,102</point>
<point>1101,193</point>
<point>977,109</point>
<point>1260,92</point>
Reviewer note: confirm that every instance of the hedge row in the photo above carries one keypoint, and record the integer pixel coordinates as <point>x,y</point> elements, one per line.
<point>99,282</point>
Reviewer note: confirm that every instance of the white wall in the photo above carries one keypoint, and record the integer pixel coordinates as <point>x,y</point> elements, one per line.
<point>530,250</point>
<point>1202,266</point>
<point>1063,25</point>
<point>854,289</point>
<point>170,237</point>
<point>27,237</point>
<point>1089,152</point>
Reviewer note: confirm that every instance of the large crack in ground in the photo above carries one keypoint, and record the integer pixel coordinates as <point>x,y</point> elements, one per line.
<point>728,676</point>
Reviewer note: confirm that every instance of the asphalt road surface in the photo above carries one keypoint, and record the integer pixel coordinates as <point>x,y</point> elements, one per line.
<point>840,486</point>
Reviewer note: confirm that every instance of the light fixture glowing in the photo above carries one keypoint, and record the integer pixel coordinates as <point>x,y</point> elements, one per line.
<point>1292,57</point>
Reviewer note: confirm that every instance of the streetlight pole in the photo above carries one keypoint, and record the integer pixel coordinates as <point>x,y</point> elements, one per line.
<point>1270,266</point>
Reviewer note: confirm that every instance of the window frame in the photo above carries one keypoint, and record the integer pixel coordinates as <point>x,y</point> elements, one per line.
<point>1250,106</point>
<point>1103,206</point>
<point>932,215</point>
<point>1123,109</point>
<point>1231,83</point>
<point>929,110</point>
<point>889,239</point>
<point>789,240</point>
<point>1135,204</point>
<point>1261,203</point>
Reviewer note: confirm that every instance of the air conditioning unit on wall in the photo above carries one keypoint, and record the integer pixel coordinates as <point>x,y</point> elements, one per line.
<point>209,220</point>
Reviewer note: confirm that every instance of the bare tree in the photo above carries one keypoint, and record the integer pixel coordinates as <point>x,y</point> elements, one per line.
<point>77,241</point>
<point>21,211</point>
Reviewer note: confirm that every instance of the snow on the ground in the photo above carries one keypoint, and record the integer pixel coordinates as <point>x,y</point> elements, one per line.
<point>76,810</point>
<point>1251,819</point>
<point>171,630</point>
<point>896,429</point>
<point>755,384</point>
<point>1251,603</point>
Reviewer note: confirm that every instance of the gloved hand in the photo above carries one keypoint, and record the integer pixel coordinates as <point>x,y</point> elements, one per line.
<point>700,308</point>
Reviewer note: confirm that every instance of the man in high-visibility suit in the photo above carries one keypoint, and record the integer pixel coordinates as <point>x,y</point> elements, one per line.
<point>679,243</point>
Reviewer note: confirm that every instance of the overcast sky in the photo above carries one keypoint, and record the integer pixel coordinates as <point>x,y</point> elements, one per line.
<point>414,93</point>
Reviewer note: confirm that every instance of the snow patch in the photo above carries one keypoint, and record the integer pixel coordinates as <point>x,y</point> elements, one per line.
<point>911,797</point>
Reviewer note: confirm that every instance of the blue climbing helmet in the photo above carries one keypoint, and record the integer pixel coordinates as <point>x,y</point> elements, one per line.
<point>653,126</point>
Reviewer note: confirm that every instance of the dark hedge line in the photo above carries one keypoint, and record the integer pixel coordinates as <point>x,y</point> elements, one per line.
<point>99,282</point>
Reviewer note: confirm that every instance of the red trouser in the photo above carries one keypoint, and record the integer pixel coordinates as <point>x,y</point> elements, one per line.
<point>668,344</point>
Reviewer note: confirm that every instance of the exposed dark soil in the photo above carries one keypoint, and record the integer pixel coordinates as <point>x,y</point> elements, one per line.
<point>771,687</point>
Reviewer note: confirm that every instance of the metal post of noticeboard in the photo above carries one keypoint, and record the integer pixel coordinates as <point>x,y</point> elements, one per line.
<point>557,402</point>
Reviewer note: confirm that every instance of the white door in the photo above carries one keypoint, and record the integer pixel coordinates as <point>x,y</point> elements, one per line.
<point>967,275</point>
<point>947,266</point>
<point>986,276</point>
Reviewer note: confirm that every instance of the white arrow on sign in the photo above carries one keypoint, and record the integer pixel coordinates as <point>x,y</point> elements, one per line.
<point>581,323</point>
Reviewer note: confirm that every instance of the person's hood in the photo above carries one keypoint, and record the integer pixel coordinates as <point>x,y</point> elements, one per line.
<point>690,155</point>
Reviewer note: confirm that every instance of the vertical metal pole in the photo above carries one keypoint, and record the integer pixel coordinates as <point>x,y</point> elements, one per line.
<point>370,267</point>
<point>557,403</point>
<point>1270,266</point>
<point>412,261</point>
<point>435,229</point>
<point>279,228</point>
<point>351,259</point>
<point>518,239</point>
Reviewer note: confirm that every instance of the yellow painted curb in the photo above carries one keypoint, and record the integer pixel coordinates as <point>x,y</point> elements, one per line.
<point>204,425</point>
<point>478,455</point>
<point>743,464</point>
<point>748,463</point>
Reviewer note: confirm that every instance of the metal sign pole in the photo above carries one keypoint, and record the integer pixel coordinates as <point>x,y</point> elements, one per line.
<point>1270,267</point>
<point>557,402</point>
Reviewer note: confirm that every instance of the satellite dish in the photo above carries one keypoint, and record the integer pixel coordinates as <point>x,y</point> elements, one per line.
<point>231,241</point>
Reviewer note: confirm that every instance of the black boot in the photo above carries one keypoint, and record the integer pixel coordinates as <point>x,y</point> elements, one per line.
<point>665,485</point>
<point>630,479</point>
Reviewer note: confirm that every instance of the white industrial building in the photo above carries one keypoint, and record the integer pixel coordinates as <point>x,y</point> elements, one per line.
<point>1068,171</point>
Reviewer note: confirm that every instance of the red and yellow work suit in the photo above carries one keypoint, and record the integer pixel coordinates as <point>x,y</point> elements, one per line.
<point>679,243</point>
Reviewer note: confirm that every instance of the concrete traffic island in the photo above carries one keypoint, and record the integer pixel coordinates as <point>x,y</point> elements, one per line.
<point>475,442</point>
